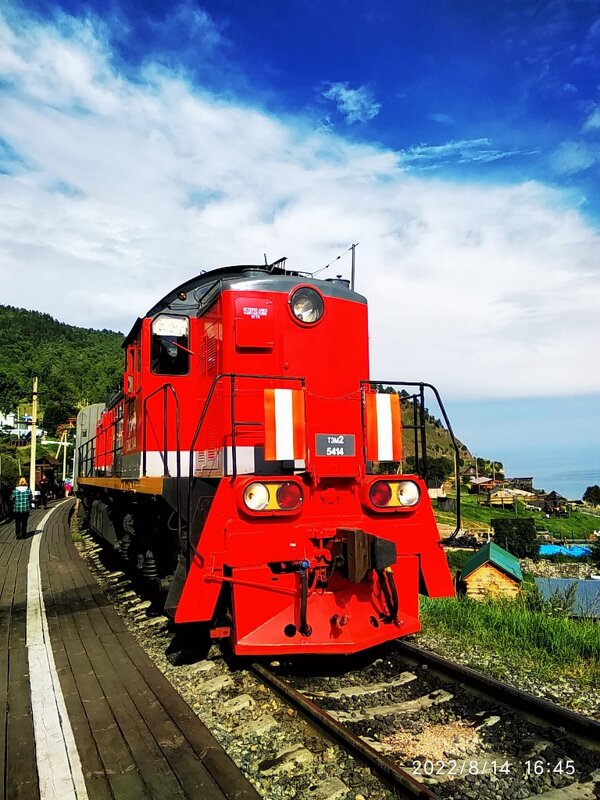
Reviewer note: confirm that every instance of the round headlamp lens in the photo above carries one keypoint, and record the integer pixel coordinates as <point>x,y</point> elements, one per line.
<point>289,496</point>
<point>380,493</point>
<point>307,305</point>
<point>256,496</point>
<point>408,493</point>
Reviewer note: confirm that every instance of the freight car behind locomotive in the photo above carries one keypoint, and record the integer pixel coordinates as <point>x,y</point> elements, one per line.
<point>238,468</point>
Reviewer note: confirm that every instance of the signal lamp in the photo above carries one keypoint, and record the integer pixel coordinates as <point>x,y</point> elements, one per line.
<point>307,305</point>
<point>256,496</point>
<point>289,496</point>
<point>408,493</point>
<point>380,493</point>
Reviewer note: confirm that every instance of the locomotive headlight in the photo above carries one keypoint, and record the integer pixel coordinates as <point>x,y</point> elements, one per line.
<point>307,305</point>
<point>408,493</point>
<point>256,496</point>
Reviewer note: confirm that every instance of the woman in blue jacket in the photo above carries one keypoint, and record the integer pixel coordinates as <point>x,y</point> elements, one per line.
<point>21,499</point>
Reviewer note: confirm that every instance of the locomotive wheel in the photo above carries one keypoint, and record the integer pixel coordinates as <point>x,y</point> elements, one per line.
<point>190,643</point>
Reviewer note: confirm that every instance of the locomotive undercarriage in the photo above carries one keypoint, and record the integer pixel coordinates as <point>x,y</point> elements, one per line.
<point>139,528</point>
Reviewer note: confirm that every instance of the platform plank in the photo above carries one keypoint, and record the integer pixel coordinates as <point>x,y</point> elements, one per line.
<point>106,758</point>
<point>137,738</point>
<point>19,776</point>
<point>166,742</point>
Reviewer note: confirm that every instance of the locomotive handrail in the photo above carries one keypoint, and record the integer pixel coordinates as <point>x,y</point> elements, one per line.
<point>87,463</point>
<point>164,389</point>
<point>422,386</point>
<point>191,477</point>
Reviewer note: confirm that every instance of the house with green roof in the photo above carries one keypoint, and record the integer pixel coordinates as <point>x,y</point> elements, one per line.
<point>491,572</point>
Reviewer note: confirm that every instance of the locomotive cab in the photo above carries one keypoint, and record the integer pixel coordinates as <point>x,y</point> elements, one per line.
<point>254,442</point>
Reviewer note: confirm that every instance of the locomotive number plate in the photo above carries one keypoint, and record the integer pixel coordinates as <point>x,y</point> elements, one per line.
<point>335,444</point>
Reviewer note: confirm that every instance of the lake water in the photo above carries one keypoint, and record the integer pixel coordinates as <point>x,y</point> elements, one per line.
<point>570,482</point>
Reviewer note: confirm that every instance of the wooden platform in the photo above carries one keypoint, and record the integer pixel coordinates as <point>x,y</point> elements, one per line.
<point>128,729</point>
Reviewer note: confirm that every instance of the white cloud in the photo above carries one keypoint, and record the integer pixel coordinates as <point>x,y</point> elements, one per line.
<point>571,157</point>
<point>444,119</point>
<point>592,123</point>
<point>117,190</point>
<point>464,151</point>
<point>355,105</point>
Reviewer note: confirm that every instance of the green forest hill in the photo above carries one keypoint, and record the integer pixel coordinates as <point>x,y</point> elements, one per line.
<point>75,365</point>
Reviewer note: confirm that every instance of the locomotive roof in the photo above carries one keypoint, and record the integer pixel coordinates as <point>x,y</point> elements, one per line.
<point>200,292</point>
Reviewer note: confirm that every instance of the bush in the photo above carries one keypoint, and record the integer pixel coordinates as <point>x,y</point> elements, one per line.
<point>592,495</point>
<point>596,552</point>
<point>518,536</point>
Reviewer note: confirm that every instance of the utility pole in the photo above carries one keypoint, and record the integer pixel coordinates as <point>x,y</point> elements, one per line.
<point>64,444</point>
<point>353,248</point>
<point>34,408</point>
<point>65,459</point>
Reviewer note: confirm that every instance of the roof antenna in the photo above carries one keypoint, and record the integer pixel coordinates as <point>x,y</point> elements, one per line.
<point>266,262</point>
<point>279,264</point>
<point>353,248</point>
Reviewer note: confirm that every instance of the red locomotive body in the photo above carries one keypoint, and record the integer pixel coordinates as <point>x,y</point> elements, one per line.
<point>237,468</point>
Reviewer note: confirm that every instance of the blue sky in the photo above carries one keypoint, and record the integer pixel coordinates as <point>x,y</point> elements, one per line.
<point>458,142</point>
<point>481,91</point>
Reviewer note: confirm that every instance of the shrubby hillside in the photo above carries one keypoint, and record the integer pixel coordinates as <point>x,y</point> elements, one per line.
<point>74,365</point>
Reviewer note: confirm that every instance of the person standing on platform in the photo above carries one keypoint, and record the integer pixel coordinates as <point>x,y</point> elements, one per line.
<point>44,488</point>
<point>21,500</point>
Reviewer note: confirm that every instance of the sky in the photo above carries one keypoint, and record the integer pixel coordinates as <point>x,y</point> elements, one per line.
<point>457,142</point>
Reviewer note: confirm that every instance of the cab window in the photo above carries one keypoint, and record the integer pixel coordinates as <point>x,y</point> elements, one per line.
<point>170,354</point>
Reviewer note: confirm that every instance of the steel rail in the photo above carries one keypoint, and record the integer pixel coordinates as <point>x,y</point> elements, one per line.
<point>398,778</point>
<point>516,699</point>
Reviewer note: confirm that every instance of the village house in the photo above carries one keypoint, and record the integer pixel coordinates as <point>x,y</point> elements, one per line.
<point>501,497</point>
<point>491,571</point>
<point>554,503</point>
<point>477,485</point>
<point>521,483</point>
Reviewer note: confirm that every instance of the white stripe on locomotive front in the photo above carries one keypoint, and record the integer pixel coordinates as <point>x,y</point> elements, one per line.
<point>284,425</point>
<point>385,438</point>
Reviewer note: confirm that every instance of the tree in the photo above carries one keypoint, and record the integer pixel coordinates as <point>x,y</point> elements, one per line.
<point>440,468</point>
<point>11,391</point>
<point>72,363</point>
<point>517,536</point>
<point>592,495</point>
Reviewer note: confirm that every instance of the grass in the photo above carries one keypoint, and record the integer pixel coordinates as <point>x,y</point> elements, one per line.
<point>76,535</point>
<point>523,632</point>
<point>457,558</point>
<point>578,525</point>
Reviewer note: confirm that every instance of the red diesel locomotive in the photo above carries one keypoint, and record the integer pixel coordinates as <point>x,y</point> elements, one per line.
<point>239,469</point>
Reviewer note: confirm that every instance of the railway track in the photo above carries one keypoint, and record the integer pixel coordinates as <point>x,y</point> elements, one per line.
<point>436,729</point>
<point>405,723</point>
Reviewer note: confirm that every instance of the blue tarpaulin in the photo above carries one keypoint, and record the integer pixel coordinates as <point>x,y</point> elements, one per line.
<point>575,550</point>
